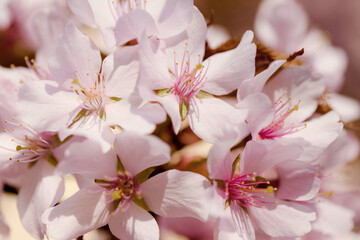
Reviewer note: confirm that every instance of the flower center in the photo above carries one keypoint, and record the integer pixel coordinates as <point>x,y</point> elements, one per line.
<point>31,145</point>
<point>188,82</point>
<point>279,127</point>
<point>249,190</point>
<point>120,189</point>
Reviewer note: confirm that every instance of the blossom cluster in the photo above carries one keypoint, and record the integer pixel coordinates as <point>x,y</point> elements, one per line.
<point>252,147</point>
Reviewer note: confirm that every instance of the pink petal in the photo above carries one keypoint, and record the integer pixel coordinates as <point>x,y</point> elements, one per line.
<point>219,162</point>
<point>133,24</point>
<point>321,131</point>
<point>191,41</point>
<point>333,219</point>
<point>211,119</point>
<point>93,12</point>
<point>76,57</point>
<point>171,106</point>
<point>260,114</point>
<point>256,84</point>
<point>177,194</point>
<point>260,156</point>
<point>348,108</point>
<point>134,223</point>
<point>228,69</point>
<point>120,71</point>
<point>242,222</point>
<point>87,158</point>
<point>39,191</point>
<point>154,72</point>
<point>172,17</point>
<point>131,115</point>
<point>301,84</point>
<point>286,219</point>
<point>154,152</point>
<point>84,211</point>
<point>225,230</point>
<point>298,181</point>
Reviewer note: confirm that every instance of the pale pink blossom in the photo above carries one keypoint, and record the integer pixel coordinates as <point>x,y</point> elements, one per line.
<point>88,94</point>
<point>120,194</point>
<point>183,83</point>
<point>260,193</point>
<point>284,108</point>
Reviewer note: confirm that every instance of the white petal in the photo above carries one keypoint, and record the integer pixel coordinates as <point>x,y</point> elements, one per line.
<point>177,194</point>
<point>134,224</point>
<point>39,191</point>
<point>154,152</point>
<point>84,211</point>
<point>228,69</point>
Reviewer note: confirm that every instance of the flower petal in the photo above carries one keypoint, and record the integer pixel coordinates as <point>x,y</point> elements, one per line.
<point>87,158</point>
<point>211,119</point>
<point>84,211</point>
<point>39,191</point>
<point>286,219</point>
<point>76,57</point>
<point>133,24</point>
<point>228,69</point>
<point>177,194</point>
<point>242,222</point>
<point>134,223</point>
<point>154,152</point>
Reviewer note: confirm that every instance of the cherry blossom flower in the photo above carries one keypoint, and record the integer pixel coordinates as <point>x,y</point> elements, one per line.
<point>119,193</point>
<point>183,83</point>
<point>281,108</point>
<point>269,185</point>
<point>88,95</point>
<point>40,189</point>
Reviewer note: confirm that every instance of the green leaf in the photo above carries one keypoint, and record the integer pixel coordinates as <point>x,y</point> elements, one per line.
<point>202,94</point>
<point>163,92</point>
<point>114,99</point>
<point>184,109</point>
<point>143,175</point>
<point>140,202</point>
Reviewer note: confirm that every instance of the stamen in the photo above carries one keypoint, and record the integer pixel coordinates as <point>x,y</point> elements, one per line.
<point>279,127</point>
<point>247,189</point>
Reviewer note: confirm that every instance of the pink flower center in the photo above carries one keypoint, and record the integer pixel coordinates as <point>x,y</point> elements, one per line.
<point>249,190</point>
<point>188,81</point>
<point>31,145</point>
<point>120,189</point>
<point>279,126</point>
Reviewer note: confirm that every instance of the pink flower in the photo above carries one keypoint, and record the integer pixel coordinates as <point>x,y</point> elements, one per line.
<point>282,108</point>
<point>269,185</point>
<point>183,83</point>
<point>40,189</point>
<point>118,192</point>
<point>89,95</point>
